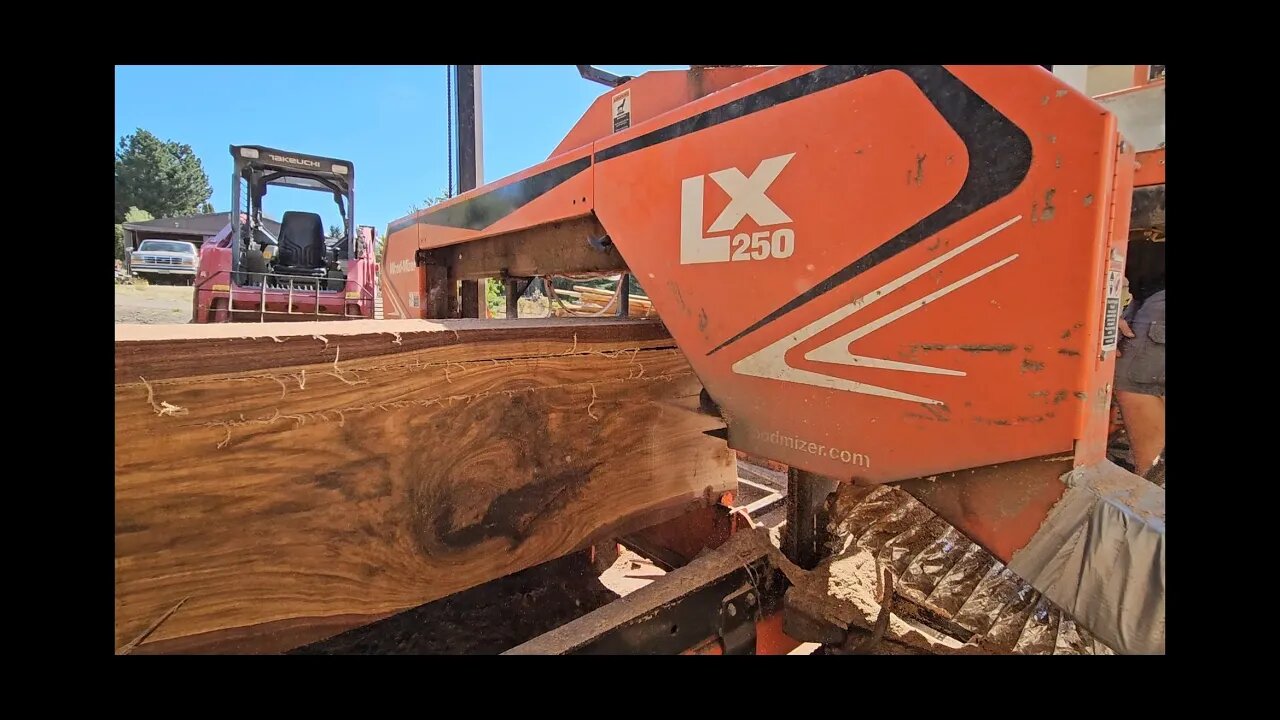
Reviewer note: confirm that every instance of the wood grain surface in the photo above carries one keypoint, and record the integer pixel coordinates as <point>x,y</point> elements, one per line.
<point>292,482</point>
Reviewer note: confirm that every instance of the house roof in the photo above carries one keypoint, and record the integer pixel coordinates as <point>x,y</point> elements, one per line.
<point>202,225</point>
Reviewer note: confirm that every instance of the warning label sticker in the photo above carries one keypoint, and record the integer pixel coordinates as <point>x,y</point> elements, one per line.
<point>622,111</point>
<point>1111,320</point>
<point>414,300</point>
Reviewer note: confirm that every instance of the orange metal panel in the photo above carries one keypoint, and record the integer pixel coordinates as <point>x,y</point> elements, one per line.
<point>559,189</point>
<point>979,356</point>
<point>401,278</point>
<point>878,272</point>
<point>1108,259</point>
<point>999,507</point>
<point>771,640</point>
<point>650,95</point>
<point>1150,169</point>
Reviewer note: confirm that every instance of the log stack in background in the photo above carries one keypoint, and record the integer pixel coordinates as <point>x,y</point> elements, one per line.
<point>586,300</point>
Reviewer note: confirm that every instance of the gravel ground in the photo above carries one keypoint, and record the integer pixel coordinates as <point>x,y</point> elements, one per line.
<point>153,304</point>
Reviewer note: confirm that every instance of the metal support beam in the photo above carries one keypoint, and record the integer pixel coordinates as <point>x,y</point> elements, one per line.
<point>513,298</point>
<point>437,288</point>
<point>604,77</point>
<point>470,153</point>
<point>473,298</point>
<point>683,610</point>
<point>624,295</point>
<point>469,141</point>
<point>806,518</point>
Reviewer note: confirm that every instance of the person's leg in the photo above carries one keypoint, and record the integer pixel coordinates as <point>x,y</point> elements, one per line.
<point>1140,384</point>
<point>1143,417</point>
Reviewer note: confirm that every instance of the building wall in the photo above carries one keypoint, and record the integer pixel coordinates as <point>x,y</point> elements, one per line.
<point>139,235</point>
<point>1104,79</point>
<point>1077,76</point>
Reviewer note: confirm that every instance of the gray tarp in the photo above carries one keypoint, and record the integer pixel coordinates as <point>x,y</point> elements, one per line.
<point>1100,557</point>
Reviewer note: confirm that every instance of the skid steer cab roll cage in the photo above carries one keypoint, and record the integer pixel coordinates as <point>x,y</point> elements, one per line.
<point>293,269</point>
<point>261,167</point>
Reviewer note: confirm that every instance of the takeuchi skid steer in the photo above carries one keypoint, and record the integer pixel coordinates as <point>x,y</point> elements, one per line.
<point>248,274</point>
<point>880,274</point>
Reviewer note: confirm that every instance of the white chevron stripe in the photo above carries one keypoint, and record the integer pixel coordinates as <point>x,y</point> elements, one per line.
<point>770,361</point>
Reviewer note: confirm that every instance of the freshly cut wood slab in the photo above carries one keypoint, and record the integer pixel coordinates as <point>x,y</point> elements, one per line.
<point>293,480</point>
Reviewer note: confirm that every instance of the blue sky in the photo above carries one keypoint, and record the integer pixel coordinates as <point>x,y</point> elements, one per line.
<point>388,120</point>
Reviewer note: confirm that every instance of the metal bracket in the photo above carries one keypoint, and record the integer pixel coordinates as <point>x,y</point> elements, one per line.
<point>604,243</point>
<point>739,613</point>
<point>666,618</point>
<point>604,77</point>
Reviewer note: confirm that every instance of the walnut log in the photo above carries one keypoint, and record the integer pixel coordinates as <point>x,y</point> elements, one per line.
<point>294,480</point>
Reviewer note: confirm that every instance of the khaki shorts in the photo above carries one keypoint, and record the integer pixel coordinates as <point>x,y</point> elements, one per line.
<point>1140,367</point>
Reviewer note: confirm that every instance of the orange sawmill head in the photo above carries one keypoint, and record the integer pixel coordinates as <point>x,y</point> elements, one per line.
<point>877,272</point>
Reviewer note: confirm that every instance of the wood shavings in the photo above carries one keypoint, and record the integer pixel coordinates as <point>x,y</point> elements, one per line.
<point>340,374</point>
<point>240,423</point>
<point>162,408</point>
<point>300,419</point>
<point>447,376</point>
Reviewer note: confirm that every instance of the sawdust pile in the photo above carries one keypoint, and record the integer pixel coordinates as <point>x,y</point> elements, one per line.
<point>949,595</point>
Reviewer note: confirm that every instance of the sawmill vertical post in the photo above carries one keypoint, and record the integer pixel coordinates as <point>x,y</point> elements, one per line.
<point>469,143</point>
<point>803,535</point>
<point>512,293</point>
<point>624,295</point>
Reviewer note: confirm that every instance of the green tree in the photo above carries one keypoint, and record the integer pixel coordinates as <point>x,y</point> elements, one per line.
<point>132,215</point>
<point>135,215</point>
<point>430,201</point>
<point>496,298</point>
<point>162,177</point>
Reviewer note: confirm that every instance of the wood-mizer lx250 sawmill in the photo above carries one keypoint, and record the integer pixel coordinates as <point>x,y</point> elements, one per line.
<point>880,274</point>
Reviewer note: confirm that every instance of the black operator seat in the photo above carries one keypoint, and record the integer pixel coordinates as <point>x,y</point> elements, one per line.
<point>301,242</point>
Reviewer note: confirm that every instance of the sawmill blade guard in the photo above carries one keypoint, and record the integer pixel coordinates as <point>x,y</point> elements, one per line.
<point>879,273</point>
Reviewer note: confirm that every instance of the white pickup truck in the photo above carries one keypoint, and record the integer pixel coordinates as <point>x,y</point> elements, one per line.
<point>164,260</point>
